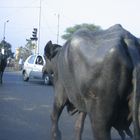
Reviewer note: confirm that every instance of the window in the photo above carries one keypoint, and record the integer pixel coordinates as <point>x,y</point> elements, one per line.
<point>39,60</point>
<point>31,59</point>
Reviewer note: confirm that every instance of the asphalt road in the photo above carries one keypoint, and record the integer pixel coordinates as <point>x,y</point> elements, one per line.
<point>25,109</point>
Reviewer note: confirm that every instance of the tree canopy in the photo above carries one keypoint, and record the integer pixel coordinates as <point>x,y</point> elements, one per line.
<point>31,45</point>
<point>26,51</point>
<point>7,48</point>
<point>69,31</point>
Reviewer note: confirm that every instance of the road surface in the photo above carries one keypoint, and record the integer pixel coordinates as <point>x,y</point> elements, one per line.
<point>25,109</point>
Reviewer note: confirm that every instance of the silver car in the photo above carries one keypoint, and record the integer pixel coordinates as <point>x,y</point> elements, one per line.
<point>32,68</point>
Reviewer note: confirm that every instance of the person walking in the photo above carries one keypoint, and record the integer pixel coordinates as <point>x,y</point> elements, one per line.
<point>20,63</point>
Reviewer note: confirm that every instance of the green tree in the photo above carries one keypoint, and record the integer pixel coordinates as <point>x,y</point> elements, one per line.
<point>69,31</point>
<point>24,52</point>
<point>31,45</point>
<point>7,48</point>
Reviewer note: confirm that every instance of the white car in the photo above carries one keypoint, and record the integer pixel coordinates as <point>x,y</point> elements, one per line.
<point>32,68</point>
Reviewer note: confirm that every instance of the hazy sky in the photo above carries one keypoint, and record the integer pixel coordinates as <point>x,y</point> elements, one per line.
<point>23,16</point>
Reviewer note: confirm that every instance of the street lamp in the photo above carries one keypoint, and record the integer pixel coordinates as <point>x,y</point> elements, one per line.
<point>3,47</point>
<point>4,29</point>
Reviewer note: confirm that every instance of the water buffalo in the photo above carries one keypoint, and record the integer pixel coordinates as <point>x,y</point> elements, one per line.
<point>3,63</point>
<point>122,125</point>
<point>97,72</point>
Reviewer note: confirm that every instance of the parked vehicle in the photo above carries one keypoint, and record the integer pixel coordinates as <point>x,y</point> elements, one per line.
<point>33,68</point>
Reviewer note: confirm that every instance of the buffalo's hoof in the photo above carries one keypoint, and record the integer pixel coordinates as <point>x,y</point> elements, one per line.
<point>56,136</point>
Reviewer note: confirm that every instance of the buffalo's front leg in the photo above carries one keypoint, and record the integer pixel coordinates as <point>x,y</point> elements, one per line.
<point>100,129</point>
<point>56,134</point>
<point>59,103</point>
<point>100,116</point>
<point>79,125</point>
<point>1,74</point>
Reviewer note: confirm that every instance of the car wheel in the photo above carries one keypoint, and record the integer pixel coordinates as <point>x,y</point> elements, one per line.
<point>25,76</point>
<point>46,79</point>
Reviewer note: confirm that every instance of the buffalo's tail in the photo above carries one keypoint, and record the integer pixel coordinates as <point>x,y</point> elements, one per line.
<point>136,102</point>
<point>134,51</point>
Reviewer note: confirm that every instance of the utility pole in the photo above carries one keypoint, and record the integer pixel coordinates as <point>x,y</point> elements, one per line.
<point>39,28</point>
<point>58,16</point>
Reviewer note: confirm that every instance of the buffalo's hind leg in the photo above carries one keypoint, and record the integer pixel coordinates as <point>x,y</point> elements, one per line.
<point>79,125</point>
<point>100,130</point>
<point>59,103</point>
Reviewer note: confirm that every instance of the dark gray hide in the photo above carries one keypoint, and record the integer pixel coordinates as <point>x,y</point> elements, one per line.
<point>3,63</point>
<point>124,120</point>
<point>94,71</point>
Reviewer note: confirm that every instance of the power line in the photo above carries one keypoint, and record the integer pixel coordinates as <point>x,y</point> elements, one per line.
<point>4,7</point>
<point>31,3</point>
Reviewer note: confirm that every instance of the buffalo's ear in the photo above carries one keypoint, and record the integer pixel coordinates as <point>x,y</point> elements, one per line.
<point>47,49</point>
<point>55,49</point>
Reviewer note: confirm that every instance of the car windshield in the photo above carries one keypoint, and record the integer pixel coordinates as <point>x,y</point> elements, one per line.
<point>31,59</point>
